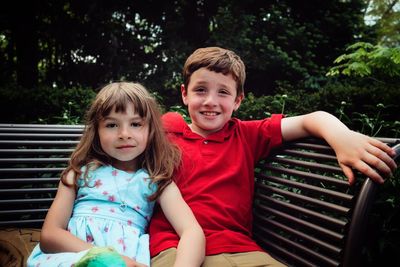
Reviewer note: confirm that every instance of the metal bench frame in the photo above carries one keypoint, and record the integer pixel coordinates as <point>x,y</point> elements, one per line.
<point>305,213</point>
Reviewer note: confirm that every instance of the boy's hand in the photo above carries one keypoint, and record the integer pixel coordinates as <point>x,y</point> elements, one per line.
<point>368,155</point>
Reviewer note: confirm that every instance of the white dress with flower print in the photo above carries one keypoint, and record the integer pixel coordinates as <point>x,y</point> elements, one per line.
<point>112,211</point>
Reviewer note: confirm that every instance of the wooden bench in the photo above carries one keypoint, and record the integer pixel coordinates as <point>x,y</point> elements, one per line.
<point>305,214</point>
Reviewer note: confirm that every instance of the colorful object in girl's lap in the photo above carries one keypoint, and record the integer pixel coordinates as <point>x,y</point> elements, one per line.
<point>101,257</point>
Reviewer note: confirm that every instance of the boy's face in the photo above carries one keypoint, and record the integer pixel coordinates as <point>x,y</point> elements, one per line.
<point>211,98</point>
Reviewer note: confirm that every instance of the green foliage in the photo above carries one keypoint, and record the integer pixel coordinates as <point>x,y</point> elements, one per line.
<point>383,16</point>
<point>284,40</point>
<point>364,59</point>
<point>81,43</point>
<point>183,111</point>
<point>372,109</point>
<point>44,105</point>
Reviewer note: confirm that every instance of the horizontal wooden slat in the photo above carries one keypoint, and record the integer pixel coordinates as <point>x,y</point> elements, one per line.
<point>311,165</point>
<point>34,160</point>
<point>303,253</point>
<point>309,188</point>
<point>265,222</point>
<point>308,175</point>
<point>41,130</point>
<point>308,155</point>
<point>305,212</point>
<point>31,170</point>
<point>39,142</point>
<point>26,201</point>
<point>299,197</point>
<point>43,151</point>
<point>9,181</point>
<point>35,126</point>
<point>38,136</point>
<point>22,211</point>
<point>337,237</point>
<point>27,190</point>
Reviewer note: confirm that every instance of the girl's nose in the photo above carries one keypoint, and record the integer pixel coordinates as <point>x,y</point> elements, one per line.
<point>124,132</point>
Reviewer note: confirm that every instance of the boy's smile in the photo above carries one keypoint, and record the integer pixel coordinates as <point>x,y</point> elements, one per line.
<point>211,98</point>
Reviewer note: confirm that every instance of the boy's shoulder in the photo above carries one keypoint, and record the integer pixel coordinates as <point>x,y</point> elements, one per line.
<point>173,122</point>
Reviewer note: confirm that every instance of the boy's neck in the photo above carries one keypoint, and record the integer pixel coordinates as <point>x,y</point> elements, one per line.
<point>204,134</point>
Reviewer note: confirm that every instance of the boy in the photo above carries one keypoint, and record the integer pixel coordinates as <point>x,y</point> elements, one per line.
<point>219,152</point>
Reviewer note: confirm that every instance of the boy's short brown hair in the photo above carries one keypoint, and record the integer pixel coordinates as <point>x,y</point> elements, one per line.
<point>216,59</point>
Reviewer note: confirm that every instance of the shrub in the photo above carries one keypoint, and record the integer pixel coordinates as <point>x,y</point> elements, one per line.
<point>44,104</point>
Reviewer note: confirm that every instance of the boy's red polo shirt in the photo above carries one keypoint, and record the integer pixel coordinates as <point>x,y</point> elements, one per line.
<point>216,180</point>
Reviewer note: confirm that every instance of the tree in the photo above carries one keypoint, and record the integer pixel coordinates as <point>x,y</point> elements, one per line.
<point>384,17</point>
<point>286,40</point>
<point>19,30</point>
<point>88,43</point>
<point>377,62</point>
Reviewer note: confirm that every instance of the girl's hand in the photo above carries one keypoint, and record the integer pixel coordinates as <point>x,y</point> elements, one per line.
<point>132,263</point>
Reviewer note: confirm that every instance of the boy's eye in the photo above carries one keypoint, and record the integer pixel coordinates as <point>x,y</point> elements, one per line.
<point>224,92</point>
<point>199,90</point>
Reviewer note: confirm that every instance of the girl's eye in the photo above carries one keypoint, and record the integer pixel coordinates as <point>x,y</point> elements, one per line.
<point>136,124</point>
<point>111,125</point>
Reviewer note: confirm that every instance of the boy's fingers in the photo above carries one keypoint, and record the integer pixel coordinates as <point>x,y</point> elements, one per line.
<point>382,158</point>
<point>349,173</point>
<point>367,170</point>
<point>379,165</point>
<point>382,146</point>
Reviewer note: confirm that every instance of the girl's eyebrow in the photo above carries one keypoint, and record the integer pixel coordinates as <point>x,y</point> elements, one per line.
<point>135,117</point>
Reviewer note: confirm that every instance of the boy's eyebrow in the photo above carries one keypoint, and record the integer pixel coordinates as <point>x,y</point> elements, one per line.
<point>206,82</point>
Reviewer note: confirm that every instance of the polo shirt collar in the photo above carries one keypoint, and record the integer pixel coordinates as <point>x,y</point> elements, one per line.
<point>176,124</point>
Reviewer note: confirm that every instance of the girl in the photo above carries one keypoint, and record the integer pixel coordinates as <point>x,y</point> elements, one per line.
<point>122,163</point>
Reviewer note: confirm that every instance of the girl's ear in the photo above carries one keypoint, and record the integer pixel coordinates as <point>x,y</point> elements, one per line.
<point>238,101</point>
<point>184,94</point>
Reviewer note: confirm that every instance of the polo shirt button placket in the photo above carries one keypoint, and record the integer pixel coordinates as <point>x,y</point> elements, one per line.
<point>205,142</point>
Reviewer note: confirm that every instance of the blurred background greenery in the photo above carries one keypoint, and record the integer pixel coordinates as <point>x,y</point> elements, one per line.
<point>340,56</point>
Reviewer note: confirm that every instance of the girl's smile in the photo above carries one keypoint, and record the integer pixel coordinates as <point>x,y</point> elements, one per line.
<point>123,136</point>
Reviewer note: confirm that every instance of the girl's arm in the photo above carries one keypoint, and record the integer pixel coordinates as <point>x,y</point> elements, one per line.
<point>191,247</point>
<point>54,237</point>
<point>353,150</point>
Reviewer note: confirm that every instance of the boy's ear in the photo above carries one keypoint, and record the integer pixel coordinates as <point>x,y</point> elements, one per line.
<point>184,94</point>
<point>238,101</point>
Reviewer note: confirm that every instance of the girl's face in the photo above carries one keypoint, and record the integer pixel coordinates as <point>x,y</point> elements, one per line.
<point>211,98</point>
<point>123,136</point>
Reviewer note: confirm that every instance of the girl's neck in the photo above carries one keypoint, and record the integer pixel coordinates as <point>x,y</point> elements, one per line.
<point>125,166</point>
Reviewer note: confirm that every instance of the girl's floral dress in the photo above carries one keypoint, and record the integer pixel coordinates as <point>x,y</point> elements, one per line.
<point>112,211</point>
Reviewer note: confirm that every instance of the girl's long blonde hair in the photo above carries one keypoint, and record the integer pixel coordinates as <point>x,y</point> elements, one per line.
<point>160,157</point>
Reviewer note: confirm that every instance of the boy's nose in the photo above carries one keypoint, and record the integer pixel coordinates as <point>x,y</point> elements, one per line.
<point>210,100</point>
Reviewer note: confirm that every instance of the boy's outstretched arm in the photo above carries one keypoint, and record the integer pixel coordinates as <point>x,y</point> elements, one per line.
<point>353,150</point>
